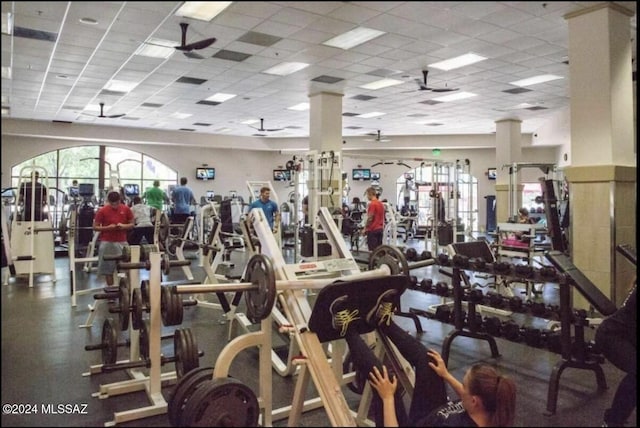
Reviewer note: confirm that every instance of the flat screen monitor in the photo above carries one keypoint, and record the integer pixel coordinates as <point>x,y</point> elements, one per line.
<point>361,174</point>
<point>210,195</point>
<point>281,175</point>
<point>375,176</point>
<point>205,173</point>
<point>131,189</point>
<point>86,189</point>
<point>492,173</point>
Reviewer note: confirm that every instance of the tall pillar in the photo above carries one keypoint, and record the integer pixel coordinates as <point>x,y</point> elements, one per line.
<point>603,174</point>
<point>325,135</point>
<point>508,151</point>
<point>325,126</point>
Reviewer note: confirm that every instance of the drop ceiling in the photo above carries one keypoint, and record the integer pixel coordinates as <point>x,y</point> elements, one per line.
<point>62,56</point>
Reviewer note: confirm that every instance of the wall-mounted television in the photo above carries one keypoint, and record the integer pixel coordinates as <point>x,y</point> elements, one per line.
<point>281,175</point>
<point>375,175</point>
<point>361,174</point>
<point>492,173</point>
<point>210,195</point>
<point>205,173</point>
<point>131,190</point>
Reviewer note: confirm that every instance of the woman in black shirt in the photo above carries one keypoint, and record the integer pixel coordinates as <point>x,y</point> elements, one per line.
<point>487,398</point>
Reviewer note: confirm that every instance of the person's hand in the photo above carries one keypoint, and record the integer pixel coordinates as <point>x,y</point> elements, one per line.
<point>385,387</point>
<point>437,363</point>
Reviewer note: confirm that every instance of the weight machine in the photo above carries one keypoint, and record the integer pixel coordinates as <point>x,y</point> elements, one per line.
<point>324,183</point>
<point>515,200</point>
<point>32,248</point>
<point>269,277</point>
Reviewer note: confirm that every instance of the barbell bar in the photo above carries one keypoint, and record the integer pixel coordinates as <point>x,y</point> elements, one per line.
<point>109,342</point>
<point>186,354</point>
<point>260,291</point>
<point>134,304</point>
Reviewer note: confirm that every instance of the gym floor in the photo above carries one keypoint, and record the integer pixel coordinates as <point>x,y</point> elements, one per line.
<point>43,357</point>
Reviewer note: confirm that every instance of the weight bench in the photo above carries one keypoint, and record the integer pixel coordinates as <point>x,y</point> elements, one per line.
<point>574,350</point>
<point>513,247</point>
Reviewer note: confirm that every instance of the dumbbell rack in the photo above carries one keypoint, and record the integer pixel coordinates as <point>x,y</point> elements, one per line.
<point>151,383</point>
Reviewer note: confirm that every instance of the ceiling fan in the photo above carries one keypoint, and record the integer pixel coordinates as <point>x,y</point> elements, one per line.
<point>378,138</point>
<point>422,85</point>
<point>102,115</point>
<point>262,129</point>
<point>188,49</point>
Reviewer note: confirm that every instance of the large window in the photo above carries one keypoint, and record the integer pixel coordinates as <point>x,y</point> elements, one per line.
<point>84,164</point>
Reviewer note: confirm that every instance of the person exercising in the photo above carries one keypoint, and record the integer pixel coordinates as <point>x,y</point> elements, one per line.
<point>375,220</point>
<point>182,198</point>
<point>486,397</point>
<point>155,196</point>
<point>269,207</point>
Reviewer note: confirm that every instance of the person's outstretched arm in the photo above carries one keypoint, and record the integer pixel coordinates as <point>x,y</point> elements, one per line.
<point>441,369</point>
<point>386,389</point>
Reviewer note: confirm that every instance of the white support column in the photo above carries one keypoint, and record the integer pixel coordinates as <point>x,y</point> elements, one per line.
<point>603,174</point>
<point>508,150</point>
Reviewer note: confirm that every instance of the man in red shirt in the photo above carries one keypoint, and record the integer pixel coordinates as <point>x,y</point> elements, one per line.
<point>113,221</point>
<point>375,220</point>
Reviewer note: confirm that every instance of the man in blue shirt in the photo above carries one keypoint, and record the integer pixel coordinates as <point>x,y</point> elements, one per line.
<point>182,198</point>
<point>269,207</point>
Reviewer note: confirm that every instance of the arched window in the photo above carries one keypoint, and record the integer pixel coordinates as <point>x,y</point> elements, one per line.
<point>97,165</point>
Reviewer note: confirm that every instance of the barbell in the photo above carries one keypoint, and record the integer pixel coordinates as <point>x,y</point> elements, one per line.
<point>109,342</point>
<point>186,354</point>
<point>134,304</point>
<point>260,291</point>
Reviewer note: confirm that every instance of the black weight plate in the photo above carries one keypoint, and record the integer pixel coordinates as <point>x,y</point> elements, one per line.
<point>144,289</point>
<point>194,359</point>
<point>390,256</point>
<point>124,298</point>
<point>188,359</point>
<point>183,390</point>
<point>178,308</point>
<point>136,309</point>
<point>180,350</point>
<point>222,402</point>
<point>144,339</point>
<point>260,300</point>
<point>165,306</point>
<point>110,342</point>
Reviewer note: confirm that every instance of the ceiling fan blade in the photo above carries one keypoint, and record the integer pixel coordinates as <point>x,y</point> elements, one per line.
<point>444,89</point>
<point>197,45</point>
<point>273,130</point>
<point>114,116</point>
